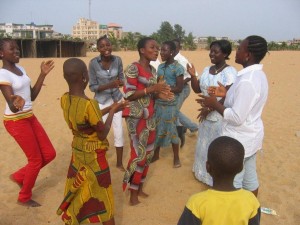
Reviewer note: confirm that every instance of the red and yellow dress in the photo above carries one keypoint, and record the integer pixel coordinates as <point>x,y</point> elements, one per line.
<point>141,125</point>
<point>88,191</point>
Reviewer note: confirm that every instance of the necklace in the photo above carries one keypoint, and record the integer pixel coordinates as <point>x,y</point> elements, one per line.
<point>218,70</point>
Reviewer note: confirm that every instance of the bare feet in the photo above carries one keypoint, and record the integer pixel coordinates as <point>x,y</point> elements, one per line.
<point>30,203</point>
<point>13,180</point>
<point>154,158</point>
<point>143,194</point>
<point>134,197</point>
<point>176,164</point>
<point>121,168</point>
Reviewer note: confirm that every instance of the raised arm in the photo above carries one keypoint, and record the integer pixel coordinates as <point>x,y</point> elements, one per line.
<point>46,67</point>
<point>194,81</point>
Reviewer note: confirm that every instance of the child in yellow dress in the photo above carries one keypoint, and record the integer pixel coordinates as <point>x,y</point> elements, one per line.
<point>88,191</point>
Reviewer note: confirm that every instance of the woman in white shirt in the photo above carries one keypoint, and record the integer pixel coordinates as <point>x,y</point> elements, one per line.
<point>243,107</point>
<point>20,121</point>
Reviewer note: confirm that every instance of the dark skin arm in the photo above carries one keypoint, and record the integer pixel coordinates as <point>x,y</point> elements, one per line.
<point>194,81</point>
<point>111,110</point>
<point>15,102</point>
<point>46,67</point>
<point>158,88</point>
<point>179,85</point>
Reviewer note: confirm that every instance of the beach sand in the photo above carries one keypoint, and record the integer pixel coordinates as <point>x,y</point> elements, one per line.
<point>169,189</point>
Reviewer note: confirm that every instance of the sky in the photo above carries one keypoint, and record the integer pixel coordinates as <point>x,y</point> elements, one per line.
<point>275,20</point>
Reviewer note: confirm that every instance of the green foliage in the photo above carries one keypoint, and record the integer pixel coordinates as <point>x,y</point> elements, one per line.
<point>210,39</point>
<point>189,43</point>
<point>129,42</point>
<point>5,35</point>
<point>179,33</point>
<point>114,41</point>
<point>167,33</point>
<point>273,46</point>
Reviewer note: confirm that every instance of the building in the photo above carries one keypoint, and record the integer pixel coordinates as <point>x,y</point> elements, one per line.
<point>91,30</point>
<point>29,31</point>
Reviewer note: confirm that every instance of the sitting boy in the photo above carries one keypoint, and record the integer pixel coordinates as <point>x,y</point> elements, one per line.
<point>223,204</point>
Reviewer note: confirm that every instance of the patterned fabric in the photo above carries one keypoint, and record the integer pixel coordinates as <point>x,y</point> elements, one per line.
<point>211,127</point>
<point>88,192</point>
<point>167,111</point>
<point>83,117</point>
<point>140,122</point>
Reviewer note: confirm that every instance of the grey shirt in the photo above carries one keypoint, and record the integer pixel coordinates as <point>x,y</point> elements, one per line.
<point>99,76</point>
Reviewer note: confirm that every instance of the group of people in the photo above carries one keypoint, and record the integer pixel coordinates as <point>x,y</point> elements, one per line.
<point>230,130</point>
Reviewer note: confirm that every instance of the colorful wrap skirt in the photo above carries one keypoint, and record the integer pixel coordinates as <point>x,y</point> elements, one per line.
<point>88,191</point>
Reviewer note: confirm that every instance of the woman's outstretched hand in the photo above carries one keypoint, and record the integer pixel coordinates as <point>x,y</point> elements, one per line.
<point>191,69</point>
<point>46,67</point>
<point>219,91</point>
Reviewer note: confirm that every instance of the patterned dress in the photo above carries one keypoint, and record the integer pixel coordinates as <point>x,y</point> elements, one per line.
<point>211,127</point>
<point>88,191</point>
<point>167,111</point>
<point>140,122</point>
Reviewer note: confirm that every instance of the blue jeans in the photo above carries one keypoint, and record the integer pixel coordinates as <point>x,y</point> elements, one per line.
<point>183,119</point>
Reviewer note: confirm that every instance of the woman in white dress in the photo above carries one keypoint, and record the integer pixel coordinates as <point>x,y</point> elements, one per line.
<point>210,121</point>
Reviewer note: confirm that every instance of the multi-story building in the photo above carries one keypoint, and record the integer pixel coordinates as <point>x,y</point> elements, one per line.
<point>31,31</point>
<point>91,30</point>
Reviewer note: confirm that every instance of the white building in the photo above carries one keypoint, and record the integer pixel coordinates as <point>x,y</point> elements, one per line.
<point>31,31</point>
<point>91,30</point>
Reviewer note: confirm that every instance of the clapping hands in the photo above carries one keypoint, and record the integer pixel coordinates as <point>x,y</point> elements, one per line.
<point>219,91</point>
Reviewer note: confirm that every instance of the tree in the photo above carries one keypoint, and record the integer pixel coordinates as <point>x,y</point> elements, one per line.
<point>165,32</point>
<point>210,39</point>
<point>114,41</point>
<point>129,42</point>
<point>179,33</point>
<point>189,43</point>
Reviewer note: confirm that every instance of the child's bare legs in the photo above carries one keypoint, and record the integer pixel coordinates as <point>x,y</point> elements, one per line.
<point>134,200</point>
<point>135,194</point>
<point>176,160</point>
<point>119,152</point>
<point>156,154</point>
<point>141,193</point>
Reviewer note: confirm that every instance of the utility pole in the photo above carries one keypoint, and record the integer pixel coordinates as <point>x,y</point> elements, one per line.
<point>90,2</point>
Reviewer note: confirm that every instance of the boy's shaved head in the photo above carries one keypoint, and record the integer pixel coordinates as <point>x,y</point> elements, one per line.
<point>226,155</point>
<point>73,69</point>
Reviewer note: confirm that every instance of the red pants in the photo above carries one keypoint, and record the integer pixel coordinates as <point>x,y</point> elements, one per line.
<point>33,140</point>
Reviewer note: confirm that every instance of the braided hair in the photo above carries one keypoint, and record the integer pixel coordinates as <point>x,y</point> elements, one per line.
<point>258,46</point>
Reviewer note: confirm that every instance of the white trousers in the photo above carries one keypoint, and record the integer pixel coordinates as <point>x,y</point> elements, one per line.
<point>117,124</point>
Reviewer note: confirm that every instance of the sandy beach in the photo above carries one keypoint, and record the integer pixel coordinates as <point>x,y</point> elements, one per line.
<point>169,189</point>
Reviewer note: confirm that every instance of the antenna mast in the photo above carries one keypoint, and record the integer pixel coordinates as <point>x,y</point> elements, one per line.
<point>90,2</point>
